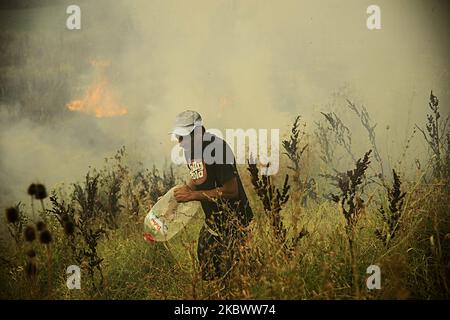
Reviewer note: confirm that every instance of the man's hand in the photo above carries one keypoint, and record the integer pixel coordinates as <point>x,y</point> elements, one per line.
<point>184,194</point>
<point>228,191</point>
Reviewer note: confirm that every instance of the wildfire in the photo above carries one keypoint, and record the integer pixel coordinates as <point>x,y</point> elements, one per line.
<point>99,101</point>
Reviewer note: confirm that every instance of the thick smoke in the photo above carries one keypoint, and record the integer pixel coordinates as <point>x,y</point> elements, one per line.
<point>241,64</point>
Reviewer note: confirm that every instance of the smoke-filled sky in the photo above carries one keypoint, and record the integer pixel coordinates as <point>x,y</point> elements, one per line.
<point>241,64</point>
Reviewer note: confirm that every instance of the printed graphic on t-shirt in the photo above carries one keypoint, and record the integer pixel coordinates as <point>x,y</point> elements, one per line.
<point>197,170</point>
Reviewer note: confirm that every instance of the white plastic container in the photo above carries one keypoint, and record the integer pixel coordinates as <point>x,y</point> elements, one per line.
<point>168,217</point>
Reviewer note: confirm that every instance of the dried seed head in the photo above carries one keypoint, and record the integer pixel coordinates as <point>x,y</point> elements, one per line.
<point>45,237</point>
<point>30,233</point>
<point>40,226</point>
<point>69,228</point>
<point>32,189</point>
<point>31,268</point>
<point>41,193</point>
<point>31,253</point>
<point>12,214</point>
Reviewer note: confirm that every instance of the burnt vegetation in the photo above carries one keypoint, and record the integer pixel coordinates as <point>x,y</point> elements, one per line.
<point>351,205</point>
<point>294,149</point>
<point>272,198</point>
<point>437,138</point>
<point>392,215</point>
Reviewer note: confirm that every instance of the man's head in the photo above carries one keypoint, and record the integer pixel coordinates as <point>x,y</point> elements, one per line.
<point>188,124</point>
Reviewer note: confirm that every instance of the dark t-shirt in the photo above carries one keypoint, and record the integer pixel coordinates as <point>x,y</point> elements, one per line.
<point>211,169</point>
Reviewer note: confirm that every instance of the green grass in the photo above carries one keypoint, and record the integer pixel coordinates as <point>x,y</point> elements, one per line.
<point>318,268</point>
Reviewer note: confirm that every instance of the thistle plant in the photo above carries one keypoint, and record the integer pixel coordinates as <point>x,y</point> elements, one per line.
<point>16,222</point>
<point>25,233</point>
<point>39,192</point>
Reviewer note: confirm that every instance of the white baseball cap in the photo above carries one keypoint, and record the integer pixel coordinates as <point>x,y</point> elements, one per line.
<point>185,122</point>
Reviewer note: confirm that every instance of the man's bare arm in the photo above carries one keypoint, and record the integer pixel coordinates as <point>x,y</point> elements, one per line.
<point>228,191</point>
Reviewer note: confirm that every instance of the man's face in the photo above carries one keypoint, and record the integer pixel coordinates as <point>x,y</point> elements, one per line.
<point>185,141</point>
<point>191,141</point>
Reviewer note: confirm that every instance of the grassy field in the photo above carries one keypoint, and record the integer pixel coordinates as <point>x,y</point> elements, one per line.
<point>310,238</point>
<point>313,236</point>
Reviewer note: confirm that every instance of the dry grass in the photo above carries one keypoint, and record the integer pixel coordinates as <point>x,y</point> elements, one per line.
<point>295,249</point>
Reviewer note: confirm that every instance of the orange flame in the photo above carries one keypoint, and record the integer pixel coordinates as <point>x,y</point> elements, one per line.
<point>100,101</point>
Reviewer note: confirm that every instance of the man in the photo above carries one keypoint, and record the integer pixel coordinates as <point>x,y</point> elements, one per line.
<point>215,182</point>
